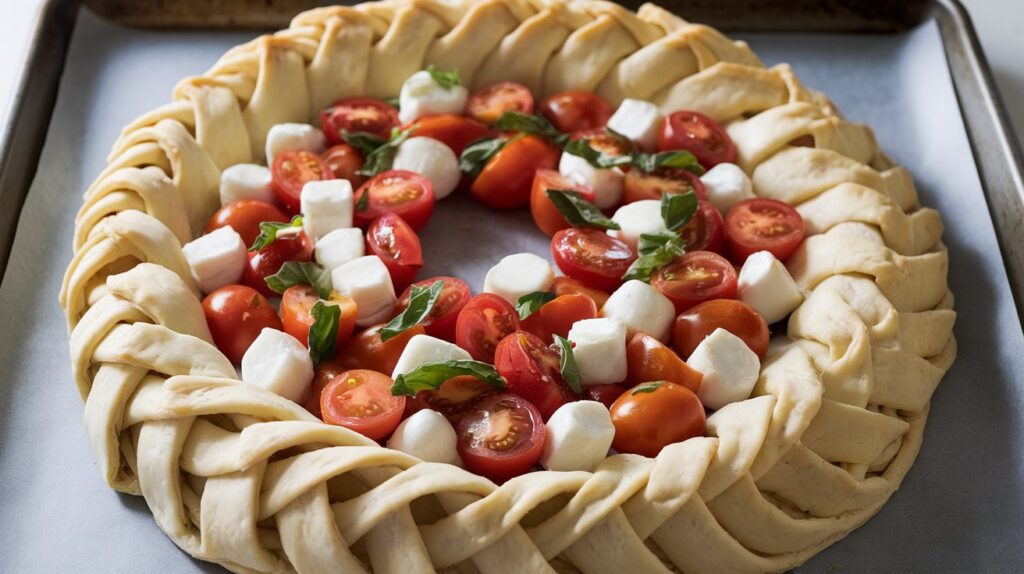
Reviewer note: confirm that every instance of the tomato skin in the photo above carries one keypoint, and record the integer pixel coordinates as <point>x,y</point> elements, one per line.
<point>557,316</point>
<point>296,303</point>
<point>592,257</point>
<point>361,400</point>
<point>734,316</point>
<point>290,246</point>
<point>245,216</point>
<point>488,104</point>
<point>236,314</point>
<point>455,131</point>
<point>292,170</point>
<point>531,369</point>
<point>706,231</point>
<point>454,296</point>
<point>696,277</point>
<point>367,115</point>
<point>323,374</point>
<point>649,360</point>
<point>344,161</point>
<point>545,214</point>
<point>646,422</point>
<point>404,193</point>
<point>639,185</point>
<point>508,411</point>
<point>568,285</point>
<point>483,323</point>
<point>699,135</point>
<point>367,351</point>
<point>576,111</point>
<point>763,224</point>
<point>604,394</point>
<point>507,178</point>
<point>455,396</point>
<point>390,238</point>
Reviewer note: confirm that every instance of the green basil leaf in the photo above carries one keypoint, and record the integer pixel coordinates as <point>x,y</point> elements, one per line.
<point>301,273</point>
<point>650,242</point>
<point>646,265</point>
<point>475,156</point>
<point>366,143</point>
<point>529,123</point>
<point>323,333</point>
<point>582,148</point>
<point>446,80</point>
<point>647,387</point>
<point>269,231</point>
<point>364,201</point>
<point>678,159</point>
<point>383,157</point>
<point>677,209</point>
<point>578,211</point>
<point>421,303</point>
<point>532,302</point>
<point>430,376</point>
<point>567,364</point>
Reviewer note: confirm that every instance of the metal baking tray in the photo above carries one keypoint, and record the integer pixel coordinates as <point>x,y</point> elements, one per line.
<point>912,69</point>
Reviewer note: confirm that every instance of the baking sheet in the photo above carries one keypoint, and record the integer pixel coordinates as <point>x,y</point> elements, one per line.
<point>961,507</point>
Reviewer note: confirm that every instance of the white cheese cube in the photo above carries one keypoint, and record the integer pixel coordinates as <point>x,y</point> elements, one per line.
<point>422,96</point>
<point>216,259</point>
<point>766,285</point>
<point>293,137</point>
<point>517,275</point>
<point>428,436</point>
<point>245,181</point>
<point>606,183</point>
<point>641,308</point>
<point>600,350</point>
<point>637,218</point>
<point>367,281</point>
<point>431,159</point>
<point>326,205</point>
<point>279,363</point>
<point>639,121</point>
<point>726,185</point>
<point>729,367</point>
<point>577,437</point>
<point>339,247</point>
<point>423,349</point>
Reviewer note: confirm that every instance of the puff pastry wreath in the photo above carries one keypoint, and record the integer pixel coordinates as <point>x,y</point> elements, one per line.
<point>239,476</point>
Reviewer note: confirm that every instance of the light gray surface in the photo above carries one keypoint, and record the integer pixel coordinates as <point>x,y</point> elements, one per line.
<point>960,509</point>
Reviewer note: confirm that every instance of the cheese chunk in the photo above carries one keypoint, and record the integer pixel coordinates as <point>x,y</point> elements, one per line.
<point>637,218</point>
<point>639,121</point>
<point>339,247</point>
<point>641,308</point>
<point>606,183</point>
<point>766,285</point>
<point>423,349</point>
<point>326,206</point>
<point>422,96</point>
<point>729,367</point>
<point>245,181</point>
<point>367,281</point>
<point>431,159</point>
<point>279,363</point>
<point>518,275</point>
<point>727,185</point>
<point>216,259</point>
<point>600,350</point>
<point>428,436</point>
<point>293,137</point>
<point>577,437</point>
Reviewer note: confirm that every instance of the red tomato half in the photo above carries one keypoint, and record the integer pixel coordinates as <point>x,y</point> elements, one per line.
<point>403,193</point>
<point>605,141</point>
<point>323,374</point>
<point>245,216</point>
<point>640,185</point>
<point>507,178</point>
<point>361,400</point>
<point>483,323</point>
<point>344,161</point>
<point>706,231</point>
<point>455,396</point>
<point>557,316</point>
<point>545,214</point>
<point>354,115</point>
<point>501,437</point>
<point>296,303</point>
<point>456,132</point>
<point>576,111</point>
<point>236,314</point>
<point>390,238</point>
<point>291,171</point>
<point>531,369</point>
<point>699,321</point>
<point>695,277</point>
<point>289,246</point>
<point>488,104</point>
<point>699,135</point>
<point>454,296</point>
<point>592,256</point>
<point>763,225</point>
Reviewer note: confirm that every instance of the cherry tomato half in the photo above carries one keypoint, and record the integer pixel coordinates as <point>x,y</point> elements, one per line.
<point>696,277</point>
<point>290,245</point>
<point>291,171</point>
<point>763,224</point>
<point>361,400</point>
<point>483,323</point>
<point>576,111</point>
<point>323,374</point>
<point>557,315</point>
<point>344,161</point>
<point>236,314</point>
<point>296,303</point>
<point>455,131</point>
<point>488,104</point>
<point>604,394</point>
<point>699,135</point>
<point>500,437</point>
<point>734,316</point>
<point>640,185</point>
<point>390,238</point>
<point>245,216</point>
<point>453,398</point>
<point>646,422</point>
<point>367,351</point>
<point>507,178</point>
<point>354,115</point>
<point>592,256</point>
<point>649,360</point>
<point>605,141</point>
<point>705,231</point>
<point>531,369</point>
<point>545,214</point>
<point>404,193</point>
<point>440,322</point>
<point>567,285</point>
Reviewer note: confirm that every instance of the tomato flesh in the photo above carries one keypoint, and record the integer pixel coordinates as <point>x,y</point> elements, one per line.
<point>650,360</point>
<point>483,323</point>
<point>699,135</point>
<point>440,322</point>
<point>236,315</point>
<point>404,193</point>
<point>245,216</point>
<point>290,245</point>
<point>573,111</point>
<point>646,422</point>
<point>639,185</point>
<point>455,396</point>
<point>531,369</point>
<point>390,238</point>
<point>592,256</point>
<point>545,214</point>
<point>488,104</point>
<point>763,224</point>
<point>361,400</point>
<point>291,171</point>
<point>296,304</point>
<point>605,141</point>
<point>740,319</point>
<point>506,180</point>
<point>355,115</point>
<point>501,437</point>
<point>694,278</point>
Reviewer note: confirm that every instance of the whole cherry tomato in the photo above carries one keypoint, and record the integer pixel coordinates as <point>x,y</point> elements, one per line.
<point>763,224</point>
<point>557,316</point>
<point>531,369</point>
<point>245,216</point>
<point>404,193</point>
<point>649,360</point>
<point>236,314</point>
<point>604,394</point>
<point>455,131</point>
<point>290,245</point>
<point>390,238</point>
<point>355,115</point>
<point>440,322</point>
<point>483,323</point>
<point>696,277</point>
<point>488,104</point>
<point>296,304</point>
<point>545,214</point>
<point>592,257</point>
<point>361,400</point>
<point>345,161</point>
<point>649,417</point>
<point>699,135</point>
<point>576,111</point>
<point>507,178</point>
<point>291,171</point>
<point>501,436</point>
<point>367,351</point>
<point>567,285</point>
<point>734,316</point>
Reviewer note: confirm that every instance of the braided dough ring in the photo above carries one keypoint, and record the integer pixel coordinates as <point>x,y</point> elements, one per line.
<point>239,476</point>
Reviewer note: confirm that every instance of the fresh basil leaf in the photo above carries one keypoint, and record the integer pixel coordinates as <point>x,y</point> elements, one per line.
<point>323,333</point>
<point>647,387</point>
<point>269,231</point>
<point>383,157</point>
<point>677,209</point>
<point>648,162</point>
<point>475,156</point>
<point>430,376</point>
<point>598,159</point>
<point>650,242</point>
<point>301,273</point>
<point>366,143</point>
<point>364,201</point>
<point>446,80</point>
<point>567,364</point>
<point>531,124</point>
<point>646,265</point>
<point>421,303</point>
<point>532,302</point>
<point>578,211</point>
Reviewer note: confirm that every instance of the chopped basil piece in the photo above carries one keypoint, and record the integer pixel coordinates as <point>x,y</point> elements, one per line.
<point>323,333</point>
<point>578,211</point>
<point>647,387</point>
<point>301,273</point>
<point>531,124</point>
<point>677,209</point>
<point>646,265</point>
<point>532,302</point>
<point>269,231</point>
<point>381,158</point>
<point>446,80</point>
<point>430,376</point>
<point>365,142</point>
<point>421,303</point>
<point>567,364</point>
<point>650,242</point>
<point>475,156</point>
<point>678,159</point>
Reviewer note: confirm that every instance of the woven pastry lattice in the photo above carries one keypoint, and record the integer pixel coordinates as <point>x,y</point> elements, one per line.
<point>244,478</point>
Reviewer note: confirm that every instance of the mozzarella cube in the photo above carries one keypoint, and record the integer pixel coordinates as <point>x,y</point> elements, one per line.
<point>428,436</point>
<point>641,308</point>
<point>726,185</point>
<point>766,285</point>
<point>339,247</point>
<point>326,205</point>
<point>293,137</point>
<point>599,347</point>
<point>216,259</point>
<point>729,367</point>
<point>637,218</point>
<point>245,181</point>
<point>606,183</point>
<point>422,96</point>
<point>423,349</point>
<point>639,121</point>
<point>278,362</point>
<point>367,281</point>
<point>518,275</point>
<point>431,159</point>
<point>577,437</point>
